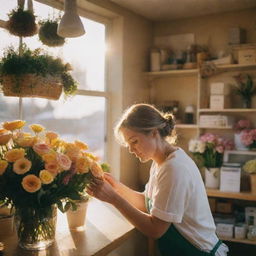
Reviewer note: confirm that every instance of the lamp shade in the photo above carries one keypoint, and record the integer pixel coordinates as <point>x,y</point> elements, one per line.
<point>70,24</point>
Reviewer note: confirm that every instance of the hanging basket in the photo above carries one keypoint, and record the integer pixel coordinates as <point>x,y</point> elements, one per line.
<point>32,85</point>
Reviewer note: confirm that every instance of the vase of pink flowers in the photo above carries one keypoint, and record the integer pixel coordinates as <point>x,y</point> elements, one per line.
<point>240,128</point>
<point>209,148</point>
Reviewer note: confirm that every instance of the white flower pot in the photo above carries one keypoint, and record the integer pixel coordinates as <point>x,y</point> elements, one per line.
<point>212,177</point>
<point>76,219</point>
<point>238,142</point>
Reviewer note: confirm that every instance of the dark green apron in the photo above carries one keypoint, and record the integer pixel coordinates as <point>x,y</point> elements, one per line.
<point>172,243</point>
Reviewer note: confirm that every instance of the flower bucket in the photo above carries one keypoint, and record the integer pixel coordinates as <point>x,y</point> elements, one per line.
<point>32,85</point>
<point>253,183</point>
<point>36,227</point>
<point>76,219</point>
<point>238,142</point>
<point>212,177</point>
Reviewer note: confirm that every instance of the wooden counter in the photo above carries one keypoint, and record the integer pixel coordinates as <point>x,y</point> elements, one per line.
<point>104,231</point>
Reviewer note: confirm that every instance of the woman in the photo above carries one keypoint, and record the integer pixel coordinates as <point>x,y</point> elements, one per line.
<point>174,207</point>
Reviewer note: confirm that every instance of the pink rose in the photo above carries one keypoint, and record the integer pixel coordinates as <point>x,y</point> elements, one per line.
<point>64,162</point>
<point>41,148</point>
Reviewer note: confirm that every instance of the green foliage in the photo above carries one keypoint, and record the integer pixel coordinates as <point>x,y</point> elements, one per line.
<point>21,23</point>
<point>36,62</point>
<point>48,33</point>
<point>245,87</point>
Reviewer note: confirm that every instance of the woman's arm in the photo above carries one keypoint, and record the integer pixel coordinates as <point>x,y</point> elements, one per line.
<point>147,224</point>
<point>135,198</point>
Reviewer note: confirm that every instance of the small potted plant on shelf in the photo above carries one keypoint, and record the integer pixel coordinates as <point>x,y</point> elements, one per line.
<point>22,22</point>
<point>35,74</point>
<point>245,89</point>
<point>48,33</point>
<point>250,167</point>
<point>208,150</point>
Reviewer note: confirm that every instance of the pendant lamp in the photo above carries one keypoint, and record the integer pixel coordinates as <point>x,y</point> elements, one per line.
<point>70,24</point>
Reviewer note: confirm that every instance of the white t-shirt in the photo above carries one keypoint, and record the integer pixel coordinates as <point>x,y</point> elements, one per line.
<point>178,195</point>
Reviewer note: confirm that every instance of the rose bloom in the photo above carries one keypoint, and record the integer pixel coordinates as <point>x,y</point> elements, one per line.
<point>3,166</point>
<point>81,145</point>
<point>64,162</point>
<point>49,157</point>
<point>46,177</point>
<point>51,135</point>
<point>83,165</point>
<point>72,151</point>
<point>96,170</point>
<point>14,154</point>
<point>91,156</point>
<point>31,183</point>
<point>53,167</point>
<point>36,128</point>
<point>41,148</point>
<point>27,141</point>
<point>22,166</point>
<point>14,125</point>
<point>5,138</point>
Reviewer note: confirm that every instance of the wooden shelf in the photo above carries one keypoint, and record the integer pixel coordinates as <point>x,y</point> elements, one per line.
<point>243,241</point>
<point>235,67</point>
<point>232,110</point>
<point>178,72</point>
<point>220,127</point>
<point>241,196</point>
<point>186,126</point>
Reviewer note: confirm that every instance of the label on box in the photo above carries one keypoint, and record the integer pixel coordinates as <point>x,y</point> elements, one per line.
<point>220,88</point>
<point>247,56</point>
<point>230,179</point>
<point>224,230</point>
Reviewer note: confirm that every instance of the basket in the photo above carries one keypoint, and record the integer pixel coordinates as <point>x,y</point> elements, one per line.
<point>32,85</point>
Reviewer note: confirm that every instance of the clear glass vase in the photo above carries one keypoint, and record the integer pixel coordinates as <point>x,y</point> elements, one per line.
<point>36,227</point>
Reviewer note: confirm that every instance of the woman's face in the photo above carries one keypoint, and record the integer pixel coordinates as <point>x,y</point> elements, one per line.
<point>142,145</point>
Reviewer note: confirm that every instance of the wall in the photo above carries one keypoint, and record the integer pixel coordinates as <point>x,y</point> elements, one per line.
<point>212,30</point>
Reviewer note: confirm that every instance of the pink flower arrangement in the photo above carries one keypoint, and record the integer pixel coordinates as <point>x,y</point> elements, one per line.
<point>241,125</point>
<point>210,148</point>
<point>248,138</point>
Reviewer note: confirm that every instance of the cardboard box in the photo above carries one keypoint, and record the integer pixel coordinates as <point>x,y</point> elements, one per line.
<point>224,230</point>
<point>230,178</point>
<point>247,56</point>
<point>224,207</point>
<point>219,88</point>
<point>219,102</point>
<point>212,121</point>
<point>237,35</point>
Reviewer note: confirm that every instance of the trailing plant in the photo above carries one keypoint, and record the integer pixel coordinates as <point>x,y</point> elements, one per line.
<point>36,62</point>
<point>48,33</point>
<point>22,23</point>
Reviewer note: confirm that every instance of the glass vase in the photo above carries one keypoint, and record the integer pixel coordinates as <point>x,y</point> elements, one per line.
<point>36,227</point>
<point>212,177</point>
<point>247,102</point>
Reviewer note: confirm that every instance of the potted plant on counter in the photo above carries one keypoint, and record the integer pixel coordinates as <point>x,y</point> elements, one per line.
<point>35,74</point>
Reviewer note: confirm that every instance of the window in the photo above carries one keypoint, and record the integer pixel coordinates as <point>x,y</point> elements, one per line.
<point>81,117</point>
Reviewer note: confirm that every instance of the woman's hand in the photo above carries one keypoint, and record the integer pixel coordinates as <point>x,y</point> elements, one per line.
<point>103,190</point>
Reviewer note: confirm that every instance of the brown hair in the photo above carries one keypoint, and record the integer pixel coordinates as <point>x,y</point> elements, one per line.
<point>144,118</point>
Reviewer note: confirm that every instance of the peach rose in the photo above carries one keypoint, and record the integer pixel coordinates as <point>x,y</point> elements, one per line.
<point>96,170</point>
<point>22,166</point>
<point>14,125</point>
<point>27,141</point>
<point>14,154</point>
<point>64,162</point>
<point>53,167</point>
<point>51,135</point>
<point>83,165</point>
<point>5,138</point>
<point>72,151</point>
<point>3,166</point>
<point>46,177</point>
<point>81,145</point>
<point>50,157</point>
<point>31,183</point>
<point>41,148</point>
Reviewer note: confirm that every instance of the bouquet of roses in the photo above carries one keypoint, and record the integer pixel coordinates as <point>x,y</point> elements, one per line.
<point>208,150</point>
<point>39,170</point>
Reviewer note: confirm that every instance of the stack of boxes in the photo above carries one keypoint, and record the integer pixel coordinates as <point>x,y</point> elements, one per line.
<point>219,96</point>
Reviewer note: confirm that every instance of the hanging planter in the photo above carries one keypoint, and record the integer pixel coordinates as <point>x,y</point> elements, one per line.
<point>48,33</point>
<point>22,23</point>
<point>35,74</point>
